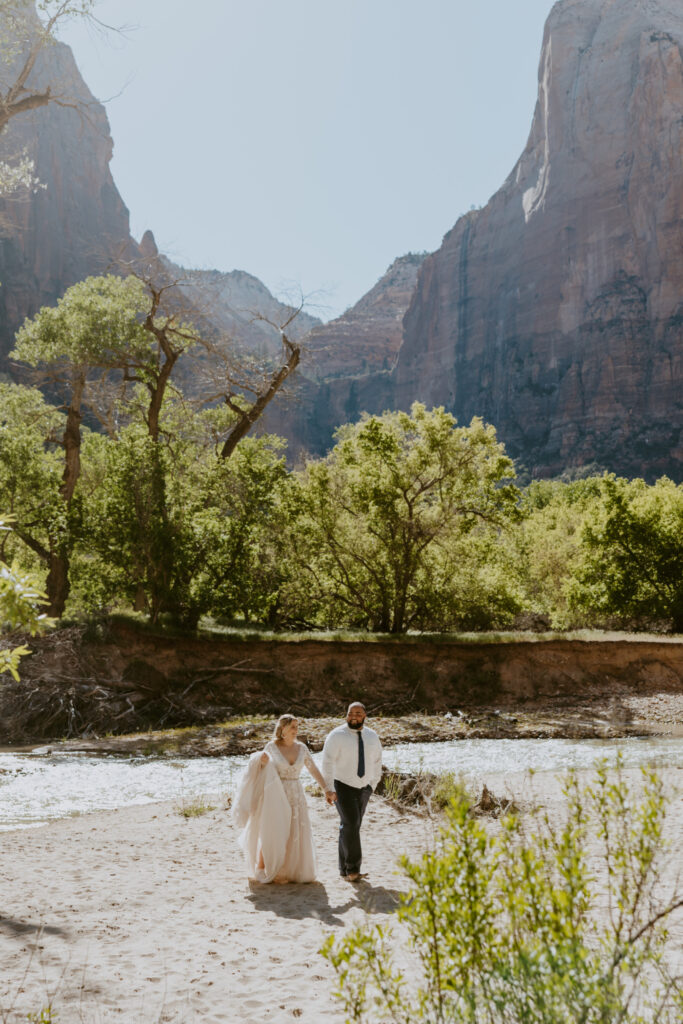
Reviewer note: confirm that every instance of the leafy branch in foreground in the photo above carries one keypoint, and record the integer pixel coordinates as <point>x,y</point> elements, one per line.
<point>20,602</point>
<point>557,922</point>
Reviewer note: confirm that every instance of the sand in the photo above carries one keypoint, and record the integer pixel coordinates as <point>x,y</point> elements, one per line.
<point>142,915</point>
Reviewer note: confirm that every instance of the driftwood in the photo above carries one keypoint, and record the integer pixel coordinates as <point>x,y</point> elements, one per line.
<point>62,708</point>
<point>74,691</point>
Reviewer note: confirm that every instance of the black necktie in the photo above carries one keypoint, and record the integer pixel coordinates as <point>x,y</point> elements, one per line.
<point>361,757</point>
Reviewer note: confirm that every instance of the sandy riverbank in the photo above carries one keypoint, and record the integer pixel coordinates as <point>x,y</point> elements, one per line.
<point>98,683</point>
<point>142,915</point>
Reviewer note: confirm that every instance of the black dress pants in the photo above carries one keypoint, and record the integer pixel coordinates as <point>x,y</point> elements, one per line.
<point>351,804</point>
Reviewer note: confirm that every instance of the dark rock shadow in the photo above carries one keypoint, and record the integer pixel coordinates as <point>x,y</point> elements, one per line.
<point>311,900</point>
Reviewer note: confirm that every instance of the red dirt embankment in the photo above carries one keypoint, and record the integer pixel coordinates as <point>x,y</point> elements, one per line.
<point>119,678</point>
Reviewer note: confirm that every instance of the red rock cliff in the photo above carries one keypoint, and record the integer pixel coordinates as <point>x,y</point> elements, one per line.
<point>345,369</point>
<point>556,312</point>
<point>77,224</point>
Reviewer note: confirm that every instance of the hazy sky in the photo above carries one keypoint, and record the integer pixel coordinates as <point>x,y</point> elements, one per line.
<point>311,142</point>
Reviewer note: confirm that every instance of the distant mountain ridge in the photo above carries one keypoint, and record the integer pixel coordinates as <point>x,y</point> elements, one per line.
<point>367,336</point>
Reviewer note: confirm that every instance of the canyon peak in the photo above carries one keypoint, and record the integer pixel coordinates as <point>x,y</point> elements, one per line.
<point>556,311</point>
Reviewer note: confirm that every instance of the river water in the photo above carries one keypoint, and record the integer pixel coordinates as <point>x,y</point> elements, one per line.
<point>37,788</point>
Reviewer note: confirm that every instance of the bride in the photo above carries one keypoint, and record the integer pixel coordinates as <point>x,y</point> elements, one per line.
<point>270,808</point>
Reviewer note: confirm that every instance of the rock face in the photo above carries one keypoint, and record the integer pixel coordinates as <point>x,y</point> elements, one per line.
<point>346,364</point>
<point>368,336</point>
<point>77,224</point>
<point>235,302</point>
<point>556,312</point>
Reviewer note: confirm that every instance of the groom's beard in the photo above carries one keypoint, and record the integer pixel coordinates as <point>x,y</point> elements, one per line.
<point>355,725</point>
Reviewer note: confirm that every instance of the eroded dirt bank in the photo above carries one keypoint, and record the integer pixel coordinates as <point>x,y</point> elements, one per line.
<point>117,679</point>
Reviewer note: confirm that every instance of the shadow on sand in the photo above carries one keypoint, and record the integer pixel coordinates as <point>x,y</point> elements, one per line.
<point>300,901</point>
<point>25,927</point>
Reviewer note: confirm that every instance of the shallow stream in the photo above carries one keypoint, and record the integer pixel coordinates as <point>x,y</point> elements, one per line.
<point>36,788</point>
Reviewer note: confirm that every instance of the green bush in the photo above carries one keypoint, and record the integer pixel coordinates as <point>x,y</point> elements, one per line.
<point>520,926</point>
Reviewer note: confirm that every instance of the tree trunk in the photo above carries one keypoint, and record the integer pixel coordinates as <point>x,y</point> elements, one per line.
<point>72,442</point>
<point>58,585</point>
<point>157,391</point>
<point>249,417</point>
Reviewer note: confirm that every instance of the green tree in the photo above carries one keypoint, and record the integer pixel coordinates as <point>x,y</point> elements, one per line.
<point>521,926</point>
<point>544,548</point>
<point>30,475</point>
<point>376,518</point>
<point>112,346</point>
<point>238,525</point>
<point>172,527</point>
<point>93,329</point>
<point>632,553</point>
<point>20,600</point>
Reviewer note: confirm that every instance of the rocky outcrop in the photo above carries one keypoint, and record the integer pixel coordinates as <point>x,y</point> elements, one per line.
<point>368,336</point>
<point>76,224</point>
<point>346,364</point>
<point>556,312</point>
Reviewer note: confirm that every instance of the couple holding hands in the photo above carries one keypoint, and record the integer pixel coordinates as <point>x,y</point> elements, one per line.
<point>270,804</point>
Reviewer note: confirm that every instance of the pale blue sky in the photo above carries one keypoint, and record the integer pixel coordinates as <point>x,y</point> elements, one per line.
<point>310,142</point>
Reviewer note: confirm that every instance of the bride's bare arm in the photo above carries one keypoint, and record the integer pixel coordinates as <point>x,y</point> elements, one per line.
<point>315,772</point>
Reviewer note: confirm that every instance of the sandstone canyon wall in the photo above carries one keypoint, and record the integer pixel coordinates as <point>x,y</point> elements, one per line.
<point>346,364</point>
<point>367,337</point>
<point>75,225</point>
<point>556,312</point>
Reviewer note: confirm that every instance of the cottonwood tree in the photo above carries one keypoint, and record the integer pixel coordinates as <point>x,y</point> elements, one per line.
<point>198,548</point>
<point>631,559</point>
<point>20,601</point>
<point>93,329</point>
<point>375,517</point>
<point>544,548</point>
<point>245,385</point>
<point>113,345</point>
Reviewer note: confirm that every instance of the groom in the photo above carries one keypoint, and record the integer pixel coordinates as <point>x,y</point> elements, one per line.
<point>352,768</point>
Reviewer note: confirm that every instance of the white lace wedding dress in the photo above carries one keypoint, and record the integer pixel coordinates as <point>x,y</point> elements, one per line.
<point>270,808</point>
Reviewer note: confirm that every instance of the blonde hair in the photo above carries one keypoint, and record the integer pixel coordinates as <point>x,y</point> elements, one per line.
<point>282,722</point>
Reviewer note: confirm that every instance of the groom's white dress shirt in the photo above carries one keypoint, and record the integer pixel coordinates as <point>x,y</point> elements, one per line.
<point>340,757</point>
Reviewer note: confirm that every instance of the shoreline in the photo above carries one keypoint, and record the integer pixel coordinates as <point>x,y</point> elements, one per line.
<point>119,680</point>
<point>599,717</point>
